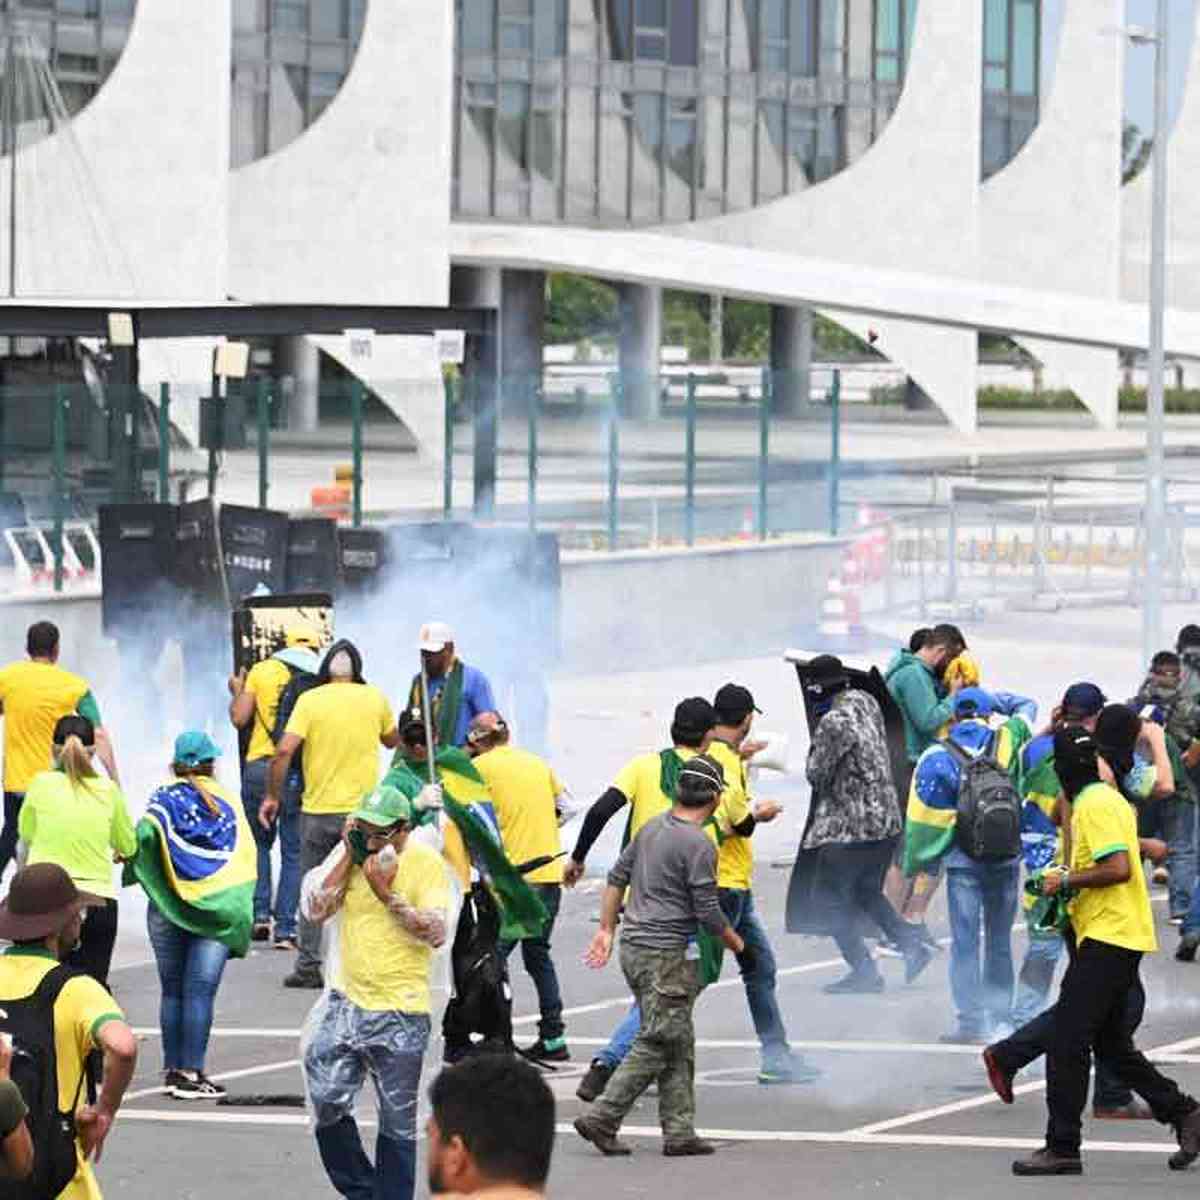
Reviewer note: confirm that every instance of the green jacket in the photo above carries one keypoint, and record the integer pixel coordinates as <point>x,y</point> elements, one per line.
<point>915,690</point>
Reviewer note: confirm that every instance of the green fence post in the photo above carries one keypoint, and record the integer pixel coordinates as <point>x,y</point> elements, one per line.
<point>263,398</point>
<point>356,419</point>
<point>764,434</point>
<point>689,465</point>
<point>533,406</point>
<point>164,443</point>
<point>448,454</point>
<point>614,448</point>
<point>835,452</point>
<point>60,466</point>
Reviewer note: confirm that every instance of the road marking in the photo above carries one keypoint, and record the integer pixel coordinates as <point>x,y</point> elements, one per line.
<point>224,1031</point>
<point>853,1047</point>
<point>243,1073</point>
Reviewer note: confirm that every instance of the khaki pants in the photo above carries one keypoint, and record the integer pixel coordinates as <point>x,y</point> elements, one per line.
<point>665,984</point>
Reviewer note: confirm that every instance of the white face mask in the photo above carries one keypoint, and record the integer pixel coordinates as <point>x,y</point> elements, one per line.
<point>341,665</point>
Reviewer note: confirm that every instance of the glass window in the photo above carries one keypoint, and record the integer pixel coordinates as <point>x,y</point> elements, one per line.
<point>79,8</point>
<point>249,16</point>
<point>653,12</point>
<point>887,27</point>
<point>647,154</point>
<point>833,37</point>
<point>550,29</point>
<point>685,33</point>
<point>803,38</point>
<point>289,16</point>
<point>771,151</point>
<point>995,31</point>
<point>516,37</point>
<point>328,19</point>
<point>1025,49</point>
<point>478,25</point>
<point>650,47</point>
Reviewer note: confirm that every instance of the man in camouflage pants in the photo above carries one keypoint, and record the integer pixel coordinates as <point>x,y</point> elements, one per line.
<point>670,870</point>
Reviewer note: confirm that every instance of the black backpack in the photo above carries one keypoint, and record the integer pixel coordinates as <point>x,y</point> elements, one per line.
<point>30,1024</point>
<point>298,683</point>
<point>988,827</point>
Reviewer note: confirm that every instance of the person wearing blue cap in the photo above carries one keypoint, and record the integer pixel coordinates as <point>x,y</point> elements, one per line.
<point>964,789</point>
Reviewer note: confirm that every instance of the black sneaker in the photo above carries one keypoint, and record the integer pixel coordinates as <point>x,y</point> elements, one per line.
<point>261,931</point>
<point>172,1078</point>
<point>548,1050</point>
<point>927,938</point>
<point>1188,1133</point>
<point>856,983</point>
<point>304,979</point>
<point>595,1081</point>
<point>1046,1162</point>
<point>1188,945</point>
<point>195,1085</point>
<point>916,960</point>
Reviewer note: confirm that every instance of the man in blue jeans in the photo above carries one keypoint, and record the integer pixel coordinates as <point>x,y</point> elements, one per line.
<point>979,895</point>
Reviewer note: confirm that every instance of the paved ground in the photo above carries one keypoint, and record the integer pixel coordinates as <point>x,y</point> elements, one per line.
<point>894,1109</point>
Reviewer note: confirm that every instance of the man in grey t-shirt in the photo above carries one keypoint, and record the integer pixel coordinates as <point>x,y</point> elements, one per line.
<point>670,869</point>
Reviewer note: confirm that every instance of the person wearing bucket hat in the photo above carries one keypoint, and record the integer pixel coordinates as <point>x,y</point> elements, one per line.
<point>388,897</point>
<point>41,916</point>
<point>261,702</point>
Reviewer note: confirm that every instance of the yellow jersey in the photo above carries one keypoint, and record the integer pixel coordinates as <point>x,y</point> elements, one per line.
<point>735,857</point>
<point>35,695</point>
<point>524,790</point>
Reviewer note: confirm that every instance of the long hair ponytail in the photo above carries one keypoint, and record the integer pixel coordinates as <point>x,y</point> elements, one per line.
<point>75,762</point>
<point>192,774</point>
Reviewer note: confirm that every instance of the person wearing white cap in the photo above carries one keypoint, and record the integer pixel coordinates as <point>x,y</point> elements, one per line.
<point>457,693</point>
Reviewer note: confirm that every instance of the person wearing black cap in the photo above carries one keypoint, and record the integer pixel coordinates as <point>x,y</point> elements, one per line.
<point>670,870</point>
<point>647,784</point>
<point>854,825</point>
<point>1113,928</point>
<point>41,916</point>
<point>735,709</point>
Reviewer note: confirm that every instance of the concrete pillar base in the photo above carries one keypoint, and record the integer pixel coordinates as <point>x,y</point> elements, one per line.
<point>300,378</point>
<point>791,359</point>
<point>641,350</point>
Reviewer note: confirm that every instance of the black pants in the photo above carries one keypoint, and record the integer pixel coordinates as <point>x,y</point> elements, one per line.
<point>482,1000</point>
<point>1091,1012</point>
<point>851,876</point>
<point>9,835</point>
<point>96,940</point>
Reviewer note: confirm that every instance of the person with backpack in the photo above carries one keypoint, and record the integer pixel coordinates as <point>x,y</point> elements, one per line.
<point>58,1017</point>
<point>262,702</point>
<point>78,818</point>
<point>964,807</point>
<point>339,725</point>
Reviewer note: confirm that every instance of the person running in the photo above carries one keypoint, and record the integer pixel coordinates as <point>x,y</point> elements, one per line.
<point>41,916</point>
<point>76,818</point>
<point>390,897</point>
<point>670,870</point>
<point>458,693</point>
<point>1113,928</point>
<point>735,708</point>
<point>34,693</point>
<point>525,794</point>
<point>254,709</point>
<point>340,724</point>
<point>195,861</point>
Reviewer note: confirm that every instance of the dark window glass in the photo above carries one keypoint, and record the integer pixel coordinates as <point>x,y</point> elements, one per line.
<point>289,16</point>
<point>516,37</point>
<point>803,37</point>
<point>1025,49</point>
<point>550,29</point>
<point>329,19</point>
<point>685,33</point>
<point>478,25</point>
<point>653,12</point>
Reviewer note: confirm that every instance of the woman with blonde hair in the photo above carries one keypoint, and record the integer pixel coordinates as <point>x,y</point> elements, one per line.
<point>77,818</point>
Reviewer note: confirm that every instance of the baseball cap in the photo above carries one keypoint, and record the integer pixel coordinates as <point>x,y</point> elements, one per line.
<point>702,769</point>
<point>302,634</point>
<point>384,807</point>
<point>732,703</point>
<point>1074,747</point>
<point>434,636</point>
<point>1083,700</point>
<point>694,716</point>
<point>195,747</point>
<point>974,702</point>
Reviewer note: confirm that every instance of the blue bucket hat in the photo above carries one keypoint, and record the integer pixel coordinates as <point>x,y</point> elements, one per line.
<point>974,702</point>
<point>195,747</point>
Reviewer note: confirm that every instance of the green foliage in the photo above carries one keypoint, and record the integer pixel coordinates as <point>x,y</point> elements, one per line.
<point>831,340</point>
<point>1175,400</point>
<point>580,308</point>
<point>747,332</point>
<point>1015,397</point>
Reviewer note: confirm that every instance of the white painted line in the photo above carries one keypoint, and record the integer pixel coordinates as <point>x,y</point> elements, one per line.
<point>149,1031</point>
<point>215,1116</point>
<point>244,1073</point>
<point>853,1047</point>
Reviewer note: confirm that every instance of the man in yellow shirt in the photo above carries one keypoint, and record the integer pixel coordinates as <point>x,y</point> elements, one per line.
<point>390,897</point>
<point>42,916</point>
<point>254,710</point>
<point>1113,927</point>
<point>735,709</point>
<point>34,693</point>
<point>341,724</point>
<point>525,795</point>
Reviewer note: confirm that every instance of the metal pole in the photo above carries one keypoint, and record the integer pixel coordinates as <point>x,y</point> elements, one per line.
<point>164,443</point>
<point>60,463</point>
<point>216,433</point>
<point>614,448</point>
<point>448,452</point>
<point>764,450</point>
<point>835,451</point>
<point>1152,616</point>
<point>951,548</point>
<point>264,437</point>
<point>356,447</point>
<point>689,464</point>
<point>532,407</point>
<point>427,714</point>
<point>10,68</point>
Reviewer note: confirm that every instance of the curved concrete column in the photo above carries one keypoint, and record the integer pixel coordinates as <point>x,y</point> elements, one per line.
<point>911,202</point>
<point>357,209</point>
<point>1183,212</point>
<point>1056,207</point>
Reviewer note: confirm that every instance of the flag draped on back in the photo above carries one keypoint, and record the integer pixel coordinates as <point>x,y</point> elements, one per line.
<point>196,861</point>
<point>473,839</point>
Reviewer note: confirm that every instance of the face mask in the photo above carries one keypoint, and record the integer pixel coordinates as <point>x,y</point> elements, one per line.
<point>358,847</point>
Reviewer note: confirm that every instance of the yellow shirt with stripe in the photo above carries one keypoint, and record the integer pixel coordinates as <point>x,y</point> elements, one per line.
<point>382,967</point>
<point>524,790</point>
<point>266,681</point>
<point>735,856</point>
<point>82,1009</point>
<point>639,781</point>
<point>35,695</point>
<point>1103,823</point>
